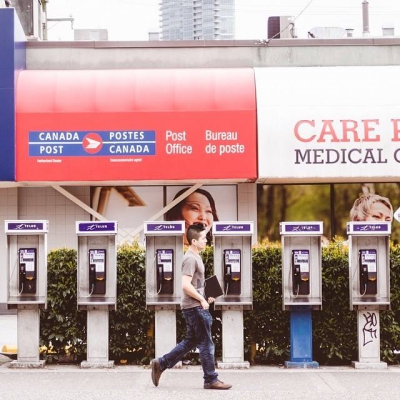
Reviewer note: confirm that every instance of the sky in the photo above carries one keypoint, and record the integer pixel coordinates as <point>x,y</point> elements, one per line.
<point>133,19</point>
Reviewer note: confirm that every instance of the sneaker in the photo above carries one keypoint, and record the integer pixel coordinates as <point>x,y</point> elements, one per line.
<point>217,385</point>
<point>155,371</point>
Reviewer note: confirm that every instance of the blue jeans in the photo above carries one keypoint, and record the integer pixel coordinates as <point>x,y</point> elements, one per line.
<point>198,334</point>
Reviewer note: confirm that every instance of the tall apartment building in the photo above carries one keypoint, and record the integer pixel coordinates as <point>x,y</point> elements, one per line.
<point>197,19</point>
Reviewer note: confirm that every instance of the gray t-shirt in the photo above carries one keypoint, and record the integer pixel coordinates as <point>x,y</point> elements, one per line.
<point>192,265</point>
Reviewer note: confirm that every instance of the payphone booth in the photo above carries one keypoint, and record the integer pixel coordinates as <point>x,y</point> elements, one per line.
<point>164,254</point>
<point>369,281</point>
<point>27,285</point>
<point>233,268</point>
<point>301,286</point>
<point>97,285</point>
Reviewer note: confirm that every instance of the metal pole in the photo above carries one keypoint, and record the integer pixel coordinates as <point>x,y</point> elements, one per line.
<point>365,10</point>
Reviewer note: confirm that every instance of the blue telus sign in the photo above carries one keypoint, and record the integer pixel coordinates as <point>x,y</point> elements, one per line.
<point>96,227</point>
<point>12,50</point>
<point>158,227</point>
<point>25,226</point>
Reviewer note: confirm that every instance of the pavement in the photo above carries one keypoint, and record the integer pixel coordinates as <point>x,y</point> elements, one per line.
<point>63,382</point>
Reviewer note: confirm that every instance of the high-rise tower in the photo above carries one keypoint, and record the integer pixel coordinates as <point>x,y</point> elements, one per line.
<point>197,19</point>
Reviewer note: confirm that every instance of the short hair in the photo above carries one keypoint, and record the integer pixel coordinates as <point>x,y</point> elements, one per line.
<point>362,206</point>
<point>193,232</point>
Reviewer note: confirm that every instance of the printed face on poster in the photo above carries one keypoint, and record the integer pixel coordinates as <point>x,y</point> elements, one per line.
<point>132,205</point>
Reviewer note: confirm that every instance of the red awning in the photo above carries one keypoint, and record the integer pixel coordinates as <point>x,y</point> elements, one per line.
<point>136,125</point>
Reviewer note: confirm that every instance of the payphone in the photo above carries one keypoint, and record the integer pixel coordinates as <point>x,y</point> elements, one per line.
<point>233,267</point>
<point>27,284</point>
<point>301,264</point>
<point>369,283</point>
<point>164,254</point>
<point>233,263</point>
<point>97,285</point>
<point>301,285</point>
<point>369,260</point>
<point>97,264</point>
<point>27,260</point>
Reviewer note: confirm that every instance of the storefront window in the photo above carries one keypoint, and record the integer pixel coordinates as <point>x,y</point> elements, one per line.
<point>330,203</point>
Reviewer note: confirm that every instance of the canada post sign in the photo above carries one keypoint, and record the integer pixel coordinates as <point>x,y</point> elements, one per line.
<point>92,143</point>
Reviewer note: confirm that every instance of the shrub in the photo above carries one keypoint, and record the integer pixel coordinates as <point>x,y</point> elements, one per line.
<point>266,327</point>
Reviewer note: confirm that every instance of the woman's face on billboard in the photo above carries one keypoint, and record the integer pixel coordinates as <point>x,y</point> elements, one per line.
<point>379,212</point>
<point>197,209</point>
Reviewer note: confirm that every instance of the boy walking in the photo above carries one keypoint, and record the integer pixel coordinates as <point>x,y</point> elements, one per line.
<point>195,309</point>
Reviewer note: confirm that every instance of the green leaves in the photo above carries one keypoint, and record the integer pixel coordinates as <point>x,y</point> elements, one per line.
<point>266,327</point>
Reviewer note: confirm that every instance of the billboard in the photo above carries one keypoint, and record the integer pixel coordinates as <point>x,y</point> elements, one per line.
<point>142,125</point>
<point>131,205</point>
<point>328,123</point>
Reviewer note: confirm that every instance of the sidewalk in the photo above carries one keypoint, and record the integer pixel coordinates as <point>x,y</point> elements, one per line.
<point>65,382</point>
<point>133,382</point>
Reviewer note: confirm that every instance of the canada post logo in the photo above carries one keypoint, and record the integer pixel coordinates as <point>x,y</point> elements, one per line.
<point>92,143</point>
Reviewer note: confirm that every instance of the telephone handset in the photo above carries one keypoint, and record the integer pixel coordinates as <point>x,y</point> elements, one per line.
<point>97,271</point>
<point>165,271</point>
<point>27,270</point>
<point>300,272</point>
<point>368,272</point>
<point>232,271</point>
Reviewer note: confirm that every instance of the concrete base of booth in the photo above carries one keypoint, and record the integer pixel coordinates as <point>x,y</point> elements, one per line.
<point>233,365</point>
<point>105,364</point>
<point>165,331</point>
<point>368,365</point>
<point>301,364</point>
<point>27,364</point>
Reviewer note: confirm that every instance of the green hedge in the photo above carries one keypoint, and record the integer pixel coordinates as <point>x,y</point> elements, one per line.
<point>266,327</point>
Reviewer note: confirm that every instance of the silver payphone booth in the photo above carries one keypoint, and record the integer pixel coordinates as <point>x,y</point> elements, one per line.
<point>97,286</point>
<point>301,286</point>
<point>164,253</point>
<point>27,285</point>
<point>233,268</point>
<point>369,278</point>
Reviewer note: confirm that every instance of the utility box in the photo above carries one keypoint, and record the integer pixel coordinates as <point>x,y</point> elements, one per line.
<point>164,254</point>
<point>301,264</point>
<point>27,263</point>
<point>97,265</point>
<point>369,262</point>
<point>233,263</point>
